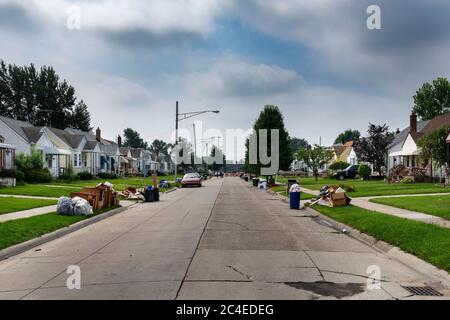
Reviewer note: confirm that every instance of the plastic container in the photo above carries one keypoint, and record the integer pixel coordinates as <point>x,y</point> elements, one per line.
<point>294,200</point>
<point>156,194</point>
<point>255,182</point>
<point>149,194</point>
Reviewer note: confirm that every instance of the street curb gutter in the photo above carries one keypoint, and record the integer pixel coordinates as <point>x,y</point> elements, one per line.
<point>27,245</point>
<point>379,245</point>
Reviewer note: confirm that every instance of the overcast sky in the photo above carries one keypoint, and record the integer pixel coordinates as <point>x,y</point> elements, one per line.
<point>316,59</point>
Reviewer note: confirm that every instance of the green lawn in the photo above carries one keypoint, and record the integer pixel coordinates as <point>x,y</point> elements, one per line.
<point>434,205</point>
<point>59,189</point>
<point>21,230</point>
<point>428,242</point>
<point>10,204</point>
<point>40,190</point>
<point>282,190</point>
<point>372,188</point>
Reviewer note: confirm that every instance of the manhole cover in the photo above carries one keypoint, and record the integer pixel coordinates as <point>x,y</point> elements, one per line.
<point>423,291</point>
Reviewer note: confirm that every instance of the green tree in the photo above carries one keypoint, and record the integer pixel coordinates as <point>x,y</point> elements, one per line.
<point>39,97</point>
<point>81,118</point>
<point>159,147</point>
<point>374,147</point>
<point>217,153</point>
<point>433,99</point>
<point>433,146</point>
<point>364,171</point>
<point>339,165</point>
<point>133,139</point>
<point>315,158</point>
<point>271,118</point>
<point>296,144</point>
<point>347,135</point>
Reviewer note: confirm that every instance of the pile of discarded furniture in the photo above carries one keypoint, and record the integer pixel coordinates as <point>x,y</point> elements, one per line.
<point>331,197</point>
<point>103,196</point>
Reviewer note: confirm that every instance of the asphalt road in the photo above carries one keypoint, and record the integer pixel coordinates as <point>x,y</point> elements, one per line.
<point>223,241</point>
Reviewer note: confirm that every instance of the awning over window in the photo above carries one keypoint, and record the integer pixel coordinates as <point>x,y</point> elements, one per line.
<point>123,160</point>
<point>7,146</point>
<point>404,153</point>
<point>56,151</point>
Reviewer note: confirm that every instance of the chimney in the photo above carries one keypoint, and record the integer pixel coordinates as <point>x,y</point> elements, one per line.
<point>413,125</point>
<point>119,140</point>
<point>98,134</point>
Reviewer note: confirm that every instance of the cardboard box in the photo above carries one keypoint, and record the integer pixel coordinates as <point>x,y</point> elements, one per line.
<point>338,199</point>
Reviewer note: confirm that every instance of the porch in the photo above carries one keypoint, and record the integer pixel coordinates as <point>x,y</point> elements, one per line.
<point>7,154</point>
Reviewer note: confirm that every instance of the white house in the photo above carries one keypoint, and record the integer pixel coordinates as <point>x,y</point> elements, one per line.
<point>7,152</point>
<point>404,150</point>
<point>55,151</point>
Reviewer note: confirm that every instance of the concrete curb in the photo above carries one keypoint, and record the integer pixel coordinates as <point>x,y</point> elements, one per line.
<point>379,245</point>
<point>27,245</point>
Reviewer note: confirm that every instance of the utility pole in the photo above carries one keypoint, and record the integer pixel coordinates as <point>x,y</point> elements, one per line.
<point>195,142</point>
<point>176,142</point>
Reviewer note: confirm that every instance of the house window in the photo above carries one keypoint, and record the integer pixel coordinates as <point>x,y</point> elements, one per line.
<point>77,160</point>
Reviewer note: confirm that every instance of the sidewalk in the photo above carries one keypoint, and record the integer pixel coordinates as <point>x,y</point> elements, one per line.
<point>364,202</point>
<point>42,210</point>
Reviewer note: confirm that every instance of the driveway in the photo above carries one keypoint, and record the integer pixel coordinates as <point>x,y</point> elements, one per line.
<point>223,241</point>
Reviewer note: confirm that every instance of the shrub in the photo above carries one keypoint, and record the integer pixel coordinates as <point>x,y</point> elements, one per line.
<point>365,171</point>
<point>407,180</point>
<point>68,177</point>
<point>26,163</point>
<point>339,165</point>
<point>38,175</point>
<point>20,176</point>
<point>85,175</point>
<point>108,176</point>
<point>348,188</point>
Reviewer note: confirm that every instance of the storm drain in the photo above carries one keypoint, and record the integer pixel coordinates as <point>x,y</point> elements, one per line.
<point>423,291</point>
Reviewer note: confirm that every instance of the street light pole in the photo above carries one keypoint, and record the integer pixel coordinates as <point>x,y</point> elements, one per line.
<point>183,116</point>
<point>176,142</point>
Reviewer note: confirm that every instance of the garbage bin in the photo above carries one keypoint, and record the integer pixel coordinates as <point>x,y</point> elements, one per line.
<point>149,195</point>
<point>246,178</point>
<point>255,182</point>
<point>294,198</point>
<point>156,194</point>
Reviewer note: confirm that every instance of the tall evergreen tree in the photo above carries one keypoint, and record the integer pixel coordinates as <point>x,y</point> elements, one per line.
<point>81,119</point>
<point>133,139</point>
<point>271,118</point>
<point>39,97</point>
<point>432,100</point>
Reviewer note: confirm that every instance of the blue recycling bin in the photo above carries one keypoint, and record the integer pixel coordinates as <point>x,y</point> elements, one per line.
<point>294,198</point>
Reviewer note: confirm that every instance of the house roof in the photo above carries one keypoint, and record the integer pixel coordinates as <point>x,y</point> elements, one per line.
<point>106,146</point>
<point>436,123</point>
<point>33,134</point>
<point>136,153</point>
<point>124,151</point>
<point>401,137</point>
<point>90,145</point>
<point>17,126</point>
<point>71,140</point>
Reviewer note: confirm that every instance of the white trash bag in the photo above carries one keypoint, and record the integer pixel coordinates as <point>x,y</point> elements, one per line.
<point>295,188</point>
<point>81,207</point>
<point>65,206</point>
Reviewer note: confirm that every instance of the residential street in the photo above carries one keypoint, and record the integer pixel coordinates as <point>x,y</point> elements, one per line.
<point>223,241</point>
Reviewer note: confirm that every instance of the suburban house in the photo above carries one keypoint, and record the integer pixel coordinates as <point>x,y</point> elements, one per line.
<point>56,152</point>
<point>404,151</point>
<point>100,156</point>
<point>63,150</point>
<point>7,152</point>
<point>166,164</point>
<point>345,153</point>
<point>448,149</point>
